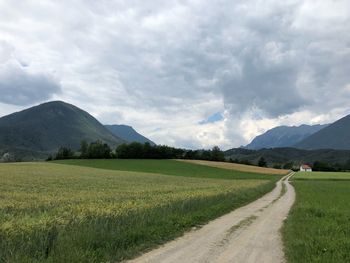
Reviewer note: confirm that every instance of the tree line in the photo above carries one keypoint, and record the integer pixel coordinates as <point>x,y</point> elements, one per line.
<point>135,150</point>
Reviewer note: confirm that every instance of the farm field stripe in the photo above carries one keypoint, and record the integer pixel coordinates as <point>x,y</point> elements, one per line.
<point>63,213</point>
<point>238,167</point>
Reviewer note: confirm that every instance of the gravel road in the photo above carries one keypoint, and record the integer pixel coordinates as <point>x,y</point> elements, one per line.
<point>248,234</point>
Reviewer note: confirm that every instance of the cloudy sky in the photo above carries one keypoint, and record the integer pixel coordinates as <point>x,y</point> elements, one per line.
<point>193,73</point>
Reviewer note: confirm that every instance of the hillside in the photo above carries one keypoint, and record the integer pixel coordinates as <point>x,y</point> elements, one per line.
<point>128,133</point>
<point>283,136</point>
<point>287,155</point>
<point>334,136</point>
<point>40,130</point>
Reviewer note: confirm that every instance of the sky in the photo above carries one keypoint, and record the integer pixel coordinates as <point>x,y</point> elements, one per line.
<point>192,74</point>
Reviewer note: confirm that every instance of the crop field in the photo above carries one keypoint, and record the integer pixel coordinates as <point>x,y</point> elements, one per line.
<point>239,167</point>
<point>318,226</point>
<point>63,213</point>
<point>173,167</point>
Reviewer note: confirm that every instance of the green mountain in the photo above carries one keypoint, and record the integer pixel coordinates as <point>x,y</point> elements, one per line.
<point>128,133</point>
<point>289,155</point>
<point>38,131</point>
<point>334,136</point>
<point>283,136</point>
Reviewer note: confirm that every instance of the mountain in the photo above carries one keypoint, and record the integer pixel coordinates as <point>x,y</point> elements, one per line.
<point>41,130</point>
<point>334,136</point>
<point>289,155</point>
<point>128,133</point>
<point>283,136</point>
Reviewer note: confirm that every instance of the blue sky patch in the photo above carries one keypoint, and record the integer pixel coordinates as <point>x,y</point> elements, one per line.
<point>212,118</point>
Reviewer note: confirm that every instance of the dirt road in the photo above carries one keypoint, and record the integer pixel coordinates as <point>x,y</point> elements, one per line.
<point>248,234</point>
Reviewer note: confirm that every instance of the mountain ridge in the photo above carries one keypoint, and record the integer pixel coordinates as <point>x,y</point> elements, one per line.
<point>42,129</point>
<point>127,133</point>
<point>334,136</point>
<point>283,136</point>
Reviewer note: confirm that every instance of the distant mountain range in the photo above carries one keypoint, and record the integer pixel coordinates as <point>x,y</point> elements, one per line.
<point>36,132</point>
<point>289,155</point>
<point>334,136</point>
<point>283,136</point>
<point>128,133</point>
<point>328,143</point>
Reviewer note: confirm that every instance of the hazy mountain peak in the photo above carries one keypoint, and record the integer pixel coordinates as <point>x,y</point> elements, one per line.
<point>283,136</point>
<point>334,136</point>
<point>127,133</point>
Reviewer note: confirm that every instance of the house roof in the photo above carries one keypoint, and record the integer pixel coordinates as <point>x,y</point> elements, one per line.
<point>305,166</point>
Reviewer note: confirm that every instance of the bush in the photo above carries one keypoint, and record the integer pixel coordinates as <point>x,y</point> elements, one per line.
<point>64,153</point>
<point>98,150</point>
<point>262,162</point>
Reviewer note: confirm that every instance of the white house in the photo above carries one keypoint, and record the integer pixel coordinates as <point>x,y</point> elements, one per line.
<point>305,168</point>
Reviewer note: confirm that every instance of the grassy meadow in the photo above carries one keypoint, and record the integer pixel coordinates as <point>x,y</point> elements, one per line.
<point>322,176</point>
<point>169,167</point>
<point>318,226</point>
<point>66,213</point>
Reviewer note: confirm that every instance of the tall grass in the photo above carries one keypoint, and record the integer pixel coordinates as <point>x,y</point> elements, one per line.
<point>61,213</point>
<point>322,176</point>
<point>318,227</point>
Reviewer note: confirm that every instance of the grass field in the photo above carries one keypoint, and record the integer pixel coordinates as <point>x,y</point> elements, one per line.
<point>318,227</point>
<point>169,167</point>
<point>63,213</point>
<point>239,167</point>
<point>322,176</point>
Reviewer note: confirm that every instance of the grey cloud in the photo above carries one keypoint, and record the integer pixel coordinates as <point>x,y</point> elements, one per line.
<point>273,58</point>
<point>20,87</point>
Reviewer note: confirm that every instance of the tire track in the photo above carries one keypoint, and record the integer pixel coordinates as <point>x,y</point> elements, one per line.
<point>248,234</point>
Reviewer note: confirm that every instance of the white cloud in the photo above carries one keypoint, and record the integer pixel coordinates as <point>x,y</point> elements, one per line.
<point>163,66</point>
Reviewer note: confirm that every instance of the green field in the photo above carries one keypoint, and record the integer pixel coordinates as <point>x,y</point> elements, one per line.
<point>318,226</point>
<point>322,176</point>
<point>63,213</point>
<point>169,167</point>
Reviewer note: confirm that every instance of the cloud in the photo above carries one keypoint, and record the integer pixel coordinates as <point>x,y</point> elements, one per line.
<point>18,86</point>
<point>165,66</point>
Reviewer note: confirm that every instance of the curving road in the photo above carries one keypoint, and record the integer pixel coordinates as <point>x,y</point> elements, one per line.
<point>248,234</point>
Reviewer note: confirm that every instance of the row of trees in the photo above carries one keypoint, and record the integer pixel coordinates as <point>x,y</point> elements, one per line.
<point>215,154</point>
<point>329,167</point>
<point>93,150</point>
<point>261,162</point>
<point>135,150</point>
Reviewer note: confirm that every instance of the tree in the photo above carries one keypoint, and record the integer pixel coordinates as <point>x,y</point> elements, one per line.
<point>277,166</point>
<point>322,166</point>
<point>99,150</point>
<point>64,153</point>
<point>84,147</point>
<point>246,162</point>
<point>262,162</point>
<point>288,165</point>
<point>217,154</point>
<point>121,151</point>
